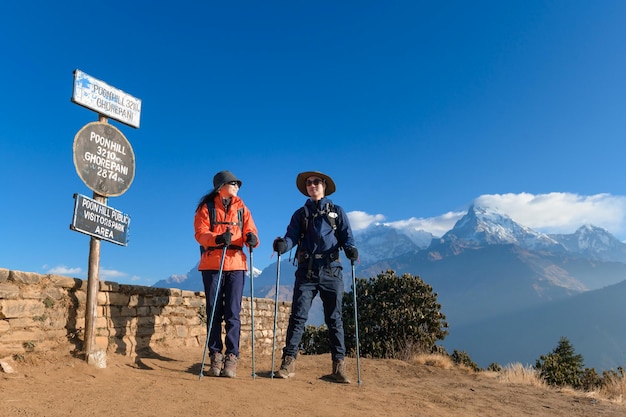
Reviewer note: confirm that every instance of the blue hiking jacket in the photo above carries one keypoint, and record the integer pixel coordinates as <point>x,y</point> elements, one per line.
<point>319,237</point>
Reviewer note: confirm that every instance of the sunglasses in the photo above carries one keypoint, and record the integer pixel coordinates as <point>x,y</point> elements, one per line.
<point>233,183</point>
<point>316,181</point>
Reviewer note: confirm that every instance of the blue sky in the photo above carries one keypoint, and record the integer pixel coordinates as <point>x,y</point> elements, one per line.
<point>416,109</point>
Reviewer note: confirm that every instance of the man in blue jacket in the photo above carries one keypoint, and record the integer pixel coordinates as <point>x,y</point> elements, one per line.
<point>319,229</point>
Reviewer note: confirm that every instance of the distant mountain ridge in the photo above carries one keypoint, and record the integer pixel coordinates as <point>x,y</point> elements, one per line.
<point>492,275</point>
<point>383,247</point>
<point>593,321</point>
<point>594,243</point>
<point>191,281</point>
<point>487,266</point>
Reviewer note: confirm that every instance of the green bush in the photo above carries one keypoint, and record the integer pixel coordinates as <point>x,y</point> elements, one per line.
<point>463,358</point>
<point>494,367</point>
<point>589,379</point>
<point>562,366</point>
<point>315,340</point>
<point>398,317</point>
<point>612,377</point>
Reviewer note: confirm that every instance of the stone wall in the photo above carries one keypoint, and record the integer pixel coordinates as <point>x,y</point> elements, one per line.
<point>39,310</point>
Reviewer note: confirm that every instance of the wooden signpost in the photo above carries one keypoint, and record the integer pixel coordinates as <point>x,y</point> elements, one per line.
<point>105,162</point>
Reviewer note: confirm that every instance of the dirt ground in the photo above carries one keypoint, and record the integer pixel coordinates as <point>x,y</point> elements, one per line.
<point>55,383</point>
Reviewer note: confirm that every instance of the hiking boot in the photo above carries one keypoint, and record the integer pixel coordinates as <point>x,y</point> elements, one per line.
<point>287,368</point>
<point>339,372</point>
<point>217,361</point>
<point>230,366</point>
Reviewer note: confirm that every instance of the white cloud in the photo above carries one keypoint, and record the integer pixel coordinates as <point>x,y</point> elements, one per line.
<point>547,213</point>
<point>361,220</point>
<point>438,225</point>
<point>135,278</point>
<point>560,212</point>
<point>105,274</point>
<point>111,274</point>
<point>63,270</point>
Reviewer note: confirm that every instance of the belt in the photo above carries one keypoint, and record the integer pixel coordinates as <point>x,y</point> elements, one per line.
<point>230,247</point>
<point>332,255</point>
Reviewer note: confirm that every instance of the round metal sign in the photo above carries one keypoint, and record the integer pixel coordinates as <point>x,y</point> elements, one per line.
<point>104,159</point>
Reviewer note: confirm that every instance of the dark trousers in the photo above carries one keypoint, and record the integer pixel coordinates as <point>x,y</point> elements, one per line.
<point>328,282</point>
<point>227,309</point>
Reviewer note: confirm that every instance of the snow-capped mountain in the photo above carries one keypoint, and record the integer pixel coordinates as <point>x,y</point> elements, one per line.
<point>380,244</point>
<point>380,241</point>
<point>496,280</point>
<point>485,226</point>
<point>593,242</point>
<point>557,265</point>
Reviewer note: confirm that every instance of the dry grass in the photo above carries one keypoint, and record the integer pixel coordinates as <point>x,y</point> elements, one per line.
<point>614,390</point>
<point>433,359</point>
<point>516,373</point>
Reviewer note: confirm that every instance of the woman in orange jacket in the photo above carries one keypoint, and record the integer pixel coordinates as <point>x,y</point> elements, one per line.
<point>223,221</point>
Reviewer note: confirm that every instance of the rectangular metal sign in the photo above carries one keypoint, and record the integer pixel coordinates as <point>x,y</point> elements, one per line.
<point>99,220</point>
<point>106,100</point>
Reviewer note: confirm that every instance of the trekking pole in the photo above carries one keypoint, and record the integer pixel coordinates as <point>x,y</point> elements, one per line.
<point>252,310</point>
<point>217,291</point>
<point>356,328</point>
<point>275,313</point>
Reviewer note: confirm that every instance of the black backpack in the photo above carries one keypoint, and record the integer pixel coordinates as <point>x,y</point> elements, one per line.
<point>330,214</point>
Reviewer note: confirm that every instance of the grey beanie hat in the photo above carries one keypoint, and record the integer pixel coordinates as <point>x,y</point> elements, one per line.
<point>222,178</point>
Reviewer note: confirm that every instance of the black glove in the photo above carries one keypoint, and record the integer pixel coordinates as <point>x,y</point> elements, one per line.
<point>280,245</point>
<point>251,239</point>
<point>224,238</point>
<point>352,253</point>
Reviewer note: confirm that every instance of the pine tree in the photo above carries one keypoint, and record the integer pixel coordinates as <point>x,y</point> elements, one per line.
<point>562,366</point>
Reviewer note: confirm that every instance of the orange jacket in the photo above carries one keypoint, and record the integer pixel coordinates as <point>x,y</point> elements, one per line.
<point>235,259</point>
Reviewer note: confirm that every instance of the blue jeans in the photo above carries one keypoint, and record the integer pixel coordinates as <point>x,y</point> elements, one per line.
<point>227,309</point>
<point>328,282</point>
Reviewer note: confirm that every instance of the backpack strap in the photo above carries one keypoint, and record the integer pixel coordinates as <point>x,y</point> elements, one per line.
<point>213,216</point>
<point>240,218</point>
<point>330,214</point>
<point>213,221</point>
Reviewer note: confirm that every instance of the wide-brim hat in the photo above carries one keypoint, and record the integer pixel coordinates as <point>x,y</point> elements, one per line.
<point>301,182</point>
<point>222,178</point>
